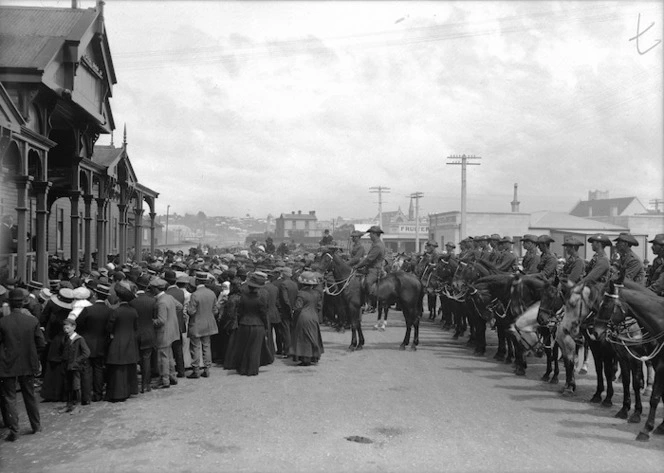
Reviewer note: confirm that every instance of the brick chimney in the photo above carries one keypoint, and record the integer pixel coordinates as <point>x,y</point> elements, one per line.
<point>515,203</point>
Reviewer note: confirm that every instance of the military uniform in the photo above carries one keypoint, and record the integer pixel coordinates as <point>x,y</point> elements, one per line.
<point>573,269</point>
<point>597,269</point>
<point>531,262</point>
<point>373,262</point>
<point>547,266</point>
<point>506,261</point>
<point>656,270</point>
<point>632,267</point>
<point>357,252</point>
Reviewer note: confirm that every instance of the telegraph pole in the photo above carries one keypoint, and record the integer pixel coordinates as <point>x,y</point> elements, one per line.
<point>417,196</point>
<point>656,203</point>
<point>463,161</point>
<point>380,190</point>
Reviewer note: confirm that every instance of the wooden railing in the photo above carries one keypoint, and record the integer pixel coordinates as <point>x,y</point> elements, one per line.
<point>9,266</point>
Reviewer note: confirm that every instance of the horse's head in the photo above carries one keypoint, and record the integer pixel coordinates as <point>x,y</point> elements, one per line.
<point>467,273</point>
<point>611,311</point>
<point>580,307</point>
<point>479,299</point>
<point>551,302</point>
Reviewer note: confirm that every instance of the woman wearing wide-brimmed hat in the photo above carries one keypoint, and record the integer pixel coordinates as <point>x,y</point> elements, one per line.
<point>252,325</point>
<point>53,388</point>
<point>122,355</point>
<point>306,341</point>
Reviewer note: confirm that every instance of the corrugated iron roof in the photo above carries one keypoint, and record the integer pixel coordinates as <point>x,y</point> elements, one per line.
<point>601,207</point>
<point>26,31</point>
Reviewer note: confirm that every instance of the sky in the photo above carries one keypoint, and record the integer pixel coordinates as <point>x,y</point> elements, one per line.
<point>260,108</point>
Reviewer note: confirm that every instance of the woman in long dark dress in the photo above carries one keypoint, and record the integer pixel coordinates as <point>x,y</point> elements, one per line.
<point>57,310</point>
<point>252,325</point>
<point>306,341</point>
<point>228,322</point>
<point>122,356</point>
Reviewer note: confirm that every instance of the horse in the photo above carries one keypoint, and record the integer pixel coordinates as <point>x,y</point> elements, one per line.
<point>425,271</point>
<point>450,307</point>
<point>648,310</point>
<point>542,326</point>
<point>462,281</point>
<point>400,287</point>
<point>580,309</point>
<point>350,290</point>
<point>630,367</point>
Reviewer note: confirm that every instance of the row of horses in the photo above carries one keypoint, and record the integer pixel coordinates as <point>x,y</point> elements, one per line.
<point>622,322</point>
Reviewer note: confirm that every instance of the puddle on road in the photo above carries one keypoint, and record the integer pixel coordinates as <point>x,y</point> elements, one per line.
<point>358,439</point>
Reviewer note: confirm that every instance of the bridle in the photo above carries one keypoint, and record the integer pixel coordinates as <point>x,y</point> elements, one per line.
<point>344,282</point>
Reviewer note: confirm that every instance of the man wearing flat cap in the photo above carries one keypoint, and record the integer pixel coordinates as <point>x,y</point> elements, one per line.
<point>531,259</point>
<point>373,262</point>
<point>598,268</point>
<point>655,279</point>
<point>630,265</point>
<point>574,266</point>
<point>202,324</point>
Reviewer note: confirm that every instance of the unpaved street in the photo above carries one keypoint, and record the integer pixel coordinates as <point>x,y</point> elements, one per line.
<point>436,409</point>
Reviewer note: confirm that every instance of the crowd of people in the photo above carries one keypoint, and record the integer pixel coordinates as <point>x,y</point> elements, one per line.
<point>126,329</point>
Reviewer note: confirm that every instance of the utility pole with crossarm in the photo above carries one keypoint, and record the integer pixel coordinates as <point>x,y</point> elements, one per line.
<point>463,162</point>
<point>380,190</point>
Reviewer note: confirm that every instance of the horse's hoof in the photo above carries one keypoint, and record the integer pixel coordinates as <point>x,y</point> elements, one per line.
<point>621,414</point>
<point>596,399</point>
<point>359,347</point>
<point>635,418</point>
<point>455,336</point>
<point>351,348</point>
<point>554,380</point>
<point>413,348</point>
<point>402,347</point>
<point>568,391</point>
<point>545,378</point>
<point>643,437</point>
<point>520,371</point>
<point>659,430</point>
<point>607,403</point>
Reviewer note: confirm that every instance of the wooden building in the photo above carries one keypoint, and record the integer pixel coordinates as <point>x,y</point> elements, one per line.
<point>66,196</point>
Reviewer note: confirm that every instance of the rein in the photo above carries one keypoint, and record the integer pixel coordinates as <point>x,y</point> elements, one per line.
<point>344,282</point>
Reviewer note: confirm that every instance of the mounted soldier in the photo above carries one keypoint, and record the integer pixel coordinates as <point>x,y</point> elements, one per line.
<point>655,279</point>
<point>531,259</point>
<point>547,267</point>
<point>574,266</point>
<point>505,259</point>
<point>373,262</point>
<point>598,268</point>
<point>630,265</point>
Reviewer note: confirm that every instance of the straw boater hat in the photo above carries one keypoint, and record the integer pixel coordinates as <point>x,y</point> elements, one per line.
<point>35,285</point>
<point>45,294</point>
<point>103,289</point>
<point>308,278</point>
<point>201,277</point>
<point>64,298</point>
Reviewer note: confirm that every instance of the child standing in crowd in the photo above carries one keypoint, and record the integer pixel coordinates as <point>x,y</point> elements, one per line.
<point>75,356</point>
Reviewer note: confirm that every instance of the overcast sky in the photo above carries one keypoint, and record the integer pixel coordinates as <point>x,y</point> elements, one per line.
<point>268,107</point>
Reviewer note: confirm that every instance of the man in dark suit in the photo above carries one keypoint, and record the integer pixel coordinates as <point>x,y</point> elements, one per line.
<point>91,325</point>
<point>145,305</point>
<point>177,293</point>
<point>21,339</point>
<point>273,316</point>
<point>286,303</point>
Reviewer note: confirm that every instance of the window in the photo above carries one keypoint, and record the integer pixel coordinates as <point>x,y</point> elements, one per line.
<point>115,232</point>
<point>60,227</point>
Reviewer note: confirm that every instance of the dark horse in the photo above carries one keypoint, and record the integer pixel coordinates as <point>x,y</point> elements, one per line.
<point>450,306</point>
<point>648,310</point>
<point>463,282</point>
<point>400,287</point>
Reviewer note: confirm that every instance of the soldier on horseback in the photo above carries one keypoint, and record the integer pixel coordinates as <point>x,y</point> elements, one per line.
<point>598,268</point>
<point>574,266</point>
<point>548,262</point>
<point>373,262</point>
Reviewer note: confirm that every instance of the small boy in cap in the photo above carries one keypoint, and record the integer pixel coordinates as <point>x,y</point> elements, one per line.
<point>75,355</point>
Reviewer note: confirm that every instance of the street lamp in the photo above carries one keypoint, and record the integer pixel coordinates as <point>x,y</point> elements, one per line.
<point>168,208</point>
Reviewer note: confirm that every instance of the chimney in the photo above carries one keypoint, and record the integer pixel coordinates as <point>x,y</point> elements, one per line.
<point>299,212</point>
<point>74,4</point>
<point>312,212</point>
<point>515,202</point>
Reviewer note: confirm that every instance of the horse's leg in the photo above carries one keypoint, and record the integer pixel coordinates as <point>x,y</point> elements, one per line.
<point>637,377</point>
<point>519,360</point>
<point>431,304</point>
<point>599,368</point>
<point>416,335</point>
<point>360,335</point>
<point>546,339</point>
<point>556,366</point>
<point>657,391</point>
<point>353,342</point>
<point>502,341</point>
<point>406,338</point>
<point>480,346</point>
<point>608,374</point>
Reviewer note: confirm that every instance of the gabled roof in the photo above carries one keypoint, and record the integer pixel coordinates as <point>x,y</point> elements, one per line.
<point>31,36</point>
<point>10,117</point>
<point>602,207</point>
<point>107,155</point>
<point>563,221</point>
